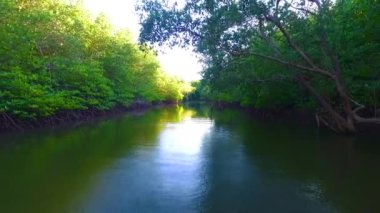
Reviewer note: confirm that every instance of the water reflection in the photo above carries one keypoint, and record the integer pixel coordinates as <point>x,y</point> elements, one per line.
<point>180,162</point>
<point>188,159</point>
<point>168,176</point>
<point>50,171</point>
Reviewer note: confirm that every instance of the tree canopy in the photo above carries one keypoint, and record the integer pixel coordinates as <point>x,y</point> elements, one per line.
<point>55,57</point>
<point>315,54</point>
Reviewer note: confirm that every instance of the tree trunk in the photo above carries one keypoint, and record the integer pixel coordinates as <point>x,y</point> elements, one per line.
<point>335,120</point>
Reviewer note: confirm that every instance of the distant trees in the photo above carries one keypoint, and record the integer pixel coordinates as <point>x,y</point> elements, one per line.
<point>54,57</point>
<point>319,54</point>
<point>200,92</point>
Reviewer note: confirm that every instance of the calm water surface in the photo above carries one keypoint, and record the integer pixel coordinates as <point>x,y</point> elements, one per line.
<point>188,159</point>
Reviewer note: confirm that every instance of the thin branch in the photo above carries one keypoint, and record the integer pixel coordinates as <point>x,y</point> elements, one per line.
<point>281,61</point>
<point>357,103</point>
<point>290,41</point>
<point>304,10</point>
<point>317,119</point>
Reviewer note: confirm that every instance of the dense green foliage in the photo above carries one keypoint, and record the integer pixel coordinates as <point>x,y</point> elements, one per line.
<point>267,84</point>
<point>54,57</point>
<point>200,92</point>
<point>319,54</point>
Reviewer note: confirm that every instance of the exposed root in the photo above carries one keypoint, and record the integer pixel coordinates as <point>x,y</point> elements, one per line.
<point>13,122</point>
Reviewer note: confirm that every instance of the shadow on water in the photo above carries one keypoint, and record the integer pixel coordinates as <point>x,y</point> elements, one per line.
<point>188,159</point>
<point>341,173</point>
<point>47,170</point>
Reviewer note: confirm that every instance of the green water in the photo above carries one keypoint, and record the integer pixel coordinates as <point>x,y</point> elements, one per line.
<point>188,159</point>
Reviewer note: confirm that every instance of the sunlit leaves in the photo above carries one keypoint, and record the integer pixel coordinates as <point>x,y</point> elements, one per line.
<point>56,58</point>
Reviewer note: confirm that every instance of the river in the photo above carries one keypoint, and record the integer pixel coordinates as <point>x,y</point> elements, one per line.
<point>188,159</point>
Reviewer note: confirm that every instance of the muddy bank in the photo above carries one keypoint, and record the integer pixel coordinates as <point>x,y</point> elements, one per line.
<point>71,117</point>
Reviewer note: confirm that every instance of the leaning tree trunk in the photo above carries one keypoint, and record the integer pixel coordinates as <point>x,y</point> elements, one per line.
<point>342,118</point>
<point>331,118</point>
<point>341,121</point>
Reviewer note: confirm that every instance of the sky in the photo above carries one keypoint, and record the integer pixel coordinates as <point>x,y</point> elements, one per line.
<point>179,62</point>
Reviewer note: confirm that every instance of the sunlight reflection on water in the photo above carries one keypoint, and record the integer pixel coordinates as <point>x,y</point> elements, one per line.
<point>181,161</point>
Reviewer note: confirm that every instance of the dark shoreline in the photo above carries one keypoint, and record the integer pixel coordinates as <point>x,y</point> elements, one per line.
<point>9,124</point>
<point>296,116</point>
<point>75,117</point>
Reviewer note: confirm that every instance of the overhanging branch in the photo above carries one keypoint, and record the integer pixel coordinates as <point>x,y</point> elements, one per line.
<point>302,67</point>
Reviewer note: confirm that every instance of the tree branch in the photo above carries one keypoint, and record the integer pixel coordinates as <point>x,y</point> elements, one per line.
<point>290,41</point>
<point>360,119</point>
<point>304,10</point>
<point>281,61</point>
<point>320,99</point>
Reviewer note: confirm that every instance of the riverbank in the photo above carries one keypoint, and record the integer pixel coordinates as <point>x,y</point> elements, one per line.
<point>70,117</point>
<point>293,115</point>
<point>300,116</point>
